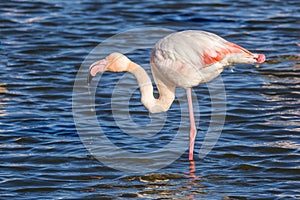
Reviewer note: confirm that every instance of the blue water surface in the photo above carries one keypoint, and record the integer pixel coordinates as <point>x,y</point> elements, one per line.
<point>43,46</point>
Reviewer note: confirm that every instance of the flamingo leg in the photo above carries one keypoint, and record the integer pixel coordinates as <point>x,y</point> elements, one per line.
<point>193,130</point>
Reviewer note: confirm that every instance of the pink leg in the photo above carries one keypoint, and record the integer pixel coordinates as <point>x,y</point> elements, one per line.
<point>193,131</point>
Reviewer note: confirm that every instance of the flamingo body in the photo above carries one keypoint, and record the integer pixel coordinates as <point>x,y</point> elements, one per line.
<point>188,58</point>
<point>182,59</point>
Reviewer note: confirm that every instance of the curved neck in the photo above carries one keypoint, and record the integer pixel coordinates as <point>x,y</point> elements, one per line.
<point>166,94</point>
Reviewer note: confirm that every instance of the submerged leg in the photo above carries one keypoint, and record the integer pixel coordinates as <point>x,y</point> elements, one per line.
<point>193,131</point>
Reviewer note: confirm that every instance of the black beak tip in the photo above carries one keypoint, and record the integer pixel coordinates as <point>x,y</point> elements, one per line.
<point>89,79</point>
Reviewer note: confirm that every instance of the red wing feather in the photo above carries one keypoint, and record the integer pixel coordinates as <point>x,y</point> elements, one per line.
<point>221,53</point>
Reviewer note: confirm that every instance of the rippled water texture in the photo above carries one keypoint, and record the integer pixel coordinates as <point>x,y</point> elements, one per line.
<point>44,43</point>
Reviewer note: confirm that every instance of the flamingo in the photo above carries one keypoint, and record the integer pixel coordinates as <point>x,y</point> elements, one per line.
<point>182,59</point>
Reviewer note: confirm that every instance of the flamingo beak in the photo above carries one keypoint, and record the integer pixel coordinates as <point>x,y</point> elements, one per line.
<point>98,66</point>
<point>260,58</point>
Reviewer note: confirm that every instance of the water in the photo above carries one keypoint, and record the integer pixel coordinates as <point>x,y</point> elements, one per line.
<point>43,44</point>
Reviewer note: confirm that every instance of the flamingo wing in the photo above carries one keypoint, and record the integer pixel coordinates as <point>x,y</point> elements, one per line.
<point>188,58</point>
<point>199,48</point>
<point>211,48</point>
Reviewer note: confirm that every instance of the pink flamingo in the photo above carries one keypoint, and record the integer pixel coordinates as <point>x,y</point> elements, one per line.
<point>182,59</point>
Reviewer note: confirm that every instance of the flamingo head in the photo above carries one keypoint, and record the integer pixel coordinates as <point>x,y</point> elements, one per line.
<point>115,62</point>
